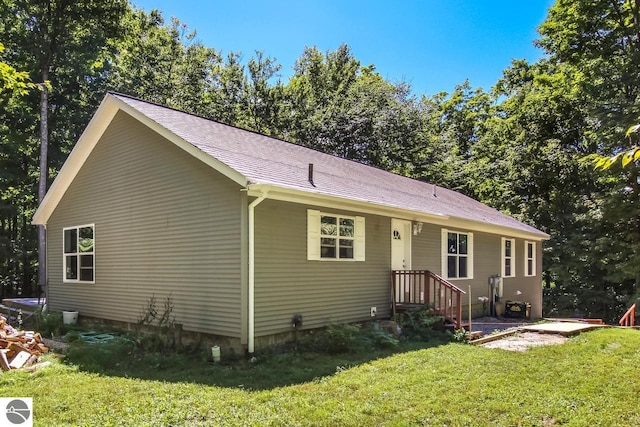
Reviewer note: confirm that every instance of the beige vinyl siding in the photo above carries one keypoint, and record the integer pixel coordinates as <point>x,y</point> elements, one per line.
<point>322,291</point>
<point>165,224</point>
<point>487,259</point>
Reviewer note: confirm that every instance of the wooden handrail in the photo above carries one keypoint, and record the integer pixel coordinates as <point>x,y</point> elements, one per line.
<point>445,282</point>
<point>629,318</point>
<point>423,287</point>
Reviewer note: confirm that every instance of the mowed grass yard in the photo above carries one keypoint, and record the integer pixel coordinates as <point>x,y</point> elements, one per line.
<point>594,379</point>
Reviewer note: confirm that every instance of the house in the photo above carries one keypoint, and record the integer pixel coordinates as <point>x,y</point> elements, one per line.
<point>245,231</point>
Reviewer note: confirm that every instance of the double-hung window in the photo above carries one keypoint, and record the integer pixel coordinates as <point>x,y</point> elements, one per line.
<point>508,257</point>
<point>529,258</point>
<point>337,234</point>
<point>457,255</point>
<point>334,237</point>
<point>79,254</point>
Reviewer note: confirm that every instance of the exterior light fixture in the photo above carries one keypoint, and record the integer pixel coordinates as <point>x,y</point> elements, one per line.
<point>417,228</point>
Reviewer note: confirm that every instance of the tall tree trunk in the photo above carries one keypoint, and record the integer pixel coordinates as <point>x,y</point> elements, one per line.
<point>42,184</point>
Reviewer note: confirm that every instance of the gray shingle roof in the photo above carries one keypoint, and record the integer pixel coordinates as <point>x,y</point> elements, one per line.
<point>265,160</point>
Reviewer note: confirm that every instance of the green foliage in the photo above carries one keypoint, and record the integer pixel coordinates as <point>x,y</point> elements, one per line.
<point>62,46</point>
<point>13,81</point>
<point>381,338</point>
<point>561,384</point>
<point>49,323</point>
<point>460,335</point>
<point>335,339</point>
<point>99,357</point>
<point>517,147</point>
<point>418,323</point>
<point>347,338</point>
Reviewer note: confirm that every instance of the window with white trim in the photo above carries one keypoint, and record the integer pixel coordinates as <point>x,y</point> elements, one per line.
<point>457,255</point>
<point>529,258</point>
<point>334,237</point>
<point>508,257</point>
<point>79,254</point>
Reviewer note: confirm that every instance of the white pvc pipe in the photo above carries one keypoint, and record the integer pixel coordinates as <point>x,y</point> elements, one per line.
<point>252,281</point>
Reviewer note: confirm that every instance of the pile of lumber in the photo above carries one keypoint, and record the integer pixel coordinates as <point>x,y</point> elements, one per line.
<point>18,348</point>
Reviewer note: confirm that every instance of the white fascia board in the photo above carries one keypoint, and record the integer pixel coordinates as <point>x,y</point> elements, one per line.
<point>316,199</point>
<point>85,145</point>
<point>103,116</point>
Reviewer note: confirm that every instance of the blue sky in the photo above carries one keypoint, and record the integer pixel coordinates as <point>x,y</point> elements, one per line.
<point>434,45</point>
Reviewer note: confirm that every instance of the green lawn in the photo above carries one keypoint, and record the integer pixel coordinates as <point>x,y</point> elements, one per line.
<point>594,379</point>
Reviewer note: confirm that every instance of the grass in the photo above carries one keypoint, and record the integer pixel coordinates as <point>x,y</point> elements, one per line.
<point>591,380</point>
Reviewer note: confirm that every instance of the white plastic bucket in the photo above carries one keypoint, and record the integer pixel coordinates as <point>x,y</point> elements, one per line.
<point>69,317</point>
<point>215,353</point>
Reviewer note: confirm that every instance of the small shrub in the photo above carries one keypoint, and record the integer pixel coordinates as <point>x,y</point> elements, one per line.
<point>150,314</point>
<point>383,339</point>
<point>418,323</point>
<point>460,335</point>
<point>164,320</point>
<point>49,324</point>
<point>336,338</point>
<point>341,337</point>
<point>72,336</point>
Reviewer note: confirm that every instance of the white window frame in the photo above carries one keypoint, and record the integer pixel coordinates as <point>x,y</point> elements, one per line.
<point>445,254</point>
<point>512,258</point>
<point>314,237</point>
<point>531,273</point>
<point>78,254</point>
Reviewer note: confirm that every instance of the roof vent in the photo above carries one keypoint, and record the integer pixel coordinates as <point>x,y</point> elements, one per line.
<point>434,190</point>
<point>311,174</point>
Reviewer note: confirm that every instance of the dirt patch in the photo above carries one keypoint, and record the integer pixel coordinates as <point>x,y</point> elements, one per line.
<point>522,341</point>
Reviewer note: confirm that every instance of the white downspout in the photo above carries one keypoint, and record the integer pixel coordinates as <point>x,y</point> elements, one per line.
<point>252,279</point>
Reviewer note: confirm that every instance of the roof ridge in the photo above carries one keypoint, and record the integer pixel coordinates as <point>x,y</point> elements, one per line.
<point>275,138</point>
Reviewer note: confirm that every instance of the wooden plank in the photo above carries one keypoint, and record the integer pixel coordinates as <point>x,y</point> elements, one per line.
<point>571,320</point>
<point>4,363</point>
<point>20,359</point>
<point>562,328</point>
<point>494,337</point>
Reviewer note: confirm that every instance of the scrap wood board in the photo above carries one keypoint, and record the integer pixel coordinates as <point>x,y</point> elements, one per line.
<point>18,348</point>
<point>562,328</point>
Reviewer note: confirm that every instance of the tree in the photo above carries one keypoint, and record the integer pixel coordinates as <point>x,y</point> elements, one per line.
<point>596,48</point>
<point>628,157</point>
<point>61,43</point>
<point>13,81</point>
<point>163,63</point>
<point>264,100</point>
<point>337,106</point>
